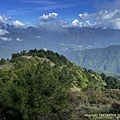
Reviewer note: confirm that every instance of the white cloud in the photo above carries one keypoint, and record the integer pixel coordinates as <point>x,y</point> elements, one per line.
<point>104,18</point>
<point>18,39</point>
<point>18,24</point>
<point>39,37</point>
<point>3,32</point>
<point>76,23</point>
<point>85,15</point>
<point>49,17</point>
<point>3,19</point>
<point>63,23</point>
<point>115,23</point>
<point>5,38</point>
<point>109,19</point>
<point>87,24</point>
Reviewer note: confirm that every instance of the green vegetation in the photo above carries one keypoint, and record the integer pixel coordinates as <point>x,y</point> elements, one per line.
<point>100,59</point>
<point>44,85</point>
<point>2,61</point>
<point>112,83</point>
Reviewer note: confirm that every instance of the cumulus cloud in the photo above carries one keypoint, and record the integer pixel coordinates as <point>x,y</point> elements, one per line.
<point>18,24</point>
<point>49,17</point>
<point>76,23</point>
<point>5,38</point>
<point>87,24</point>
<point>3,19</point>
<point>63,23</point>
<point>18,39</point>
<point>85,15</point>
<point>103,18</point>
<point>3,32</point>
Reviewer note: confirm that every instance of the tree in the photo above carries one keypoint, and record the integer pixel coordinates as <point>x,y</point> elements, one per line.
<point>31,89</point>
<point>2,61</point>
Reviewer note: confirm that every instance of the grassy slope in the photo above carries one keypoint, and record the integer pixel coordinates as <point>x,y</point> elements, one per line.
<point>7,65</point>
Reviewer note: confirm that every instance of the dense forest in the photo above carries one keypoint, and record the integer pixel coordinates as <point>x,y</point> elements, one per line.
<point>105,60</point>
<point>43,85</point>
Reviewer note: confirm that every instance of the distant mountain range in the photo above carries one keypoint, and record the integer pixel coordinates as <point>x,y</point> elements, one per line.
<point>99,59</point>
<point>62,40</point>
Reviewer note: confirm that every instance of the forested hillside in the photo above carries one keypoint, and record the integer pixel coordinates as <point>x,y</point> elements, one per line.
<point>99,59</point>
<point>43,85</point>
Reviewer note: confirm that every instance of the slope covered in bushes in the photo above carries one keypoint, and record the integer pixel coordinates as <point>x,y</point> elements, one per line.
<point>44,85</point>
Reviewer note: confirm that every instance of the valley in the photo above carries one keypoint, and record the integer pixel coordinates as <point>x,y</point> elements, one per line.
<point>105,60</point>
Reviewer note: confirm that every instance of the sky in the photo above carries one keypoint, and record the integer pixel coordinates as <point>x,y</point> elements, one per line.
<point>76,13</point>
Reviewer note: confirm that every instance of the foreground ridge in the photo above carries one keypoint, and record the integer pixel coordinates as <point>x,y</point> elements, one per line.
<point>44,85</point>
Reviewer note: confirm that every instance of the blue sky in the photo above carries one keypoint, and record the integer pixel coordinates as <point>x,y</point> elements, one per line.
<point>30,10</point>
<point>76,12</point>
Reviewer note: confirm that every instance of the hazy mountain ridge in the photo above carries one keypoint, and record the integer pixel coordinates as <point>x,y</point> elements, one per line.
<point>99,59</point>
<point>63,41</point>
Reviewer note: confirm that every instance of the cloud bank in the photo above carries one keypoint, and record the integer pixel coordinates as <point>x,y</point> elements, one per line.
<point>103,18</point>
